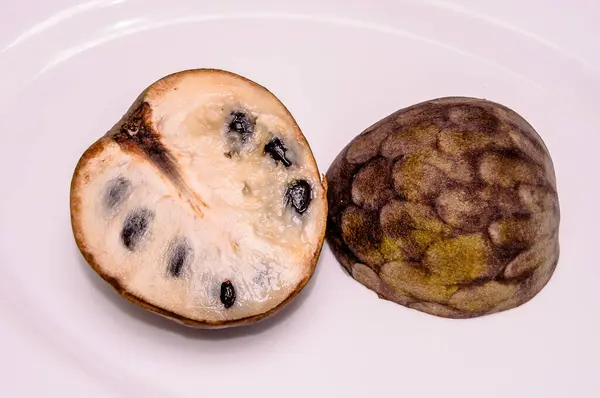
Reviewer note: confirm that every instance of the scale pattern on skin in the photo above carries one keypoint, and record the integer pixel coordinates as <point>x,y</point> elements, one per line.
<point>448,207</point>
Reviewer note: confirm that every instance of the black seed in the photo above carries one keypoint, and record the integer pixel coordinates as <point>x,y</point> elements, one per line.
<point>298,195</point>
<point>181,253</point>
<point>135,226</point>
<point>241,124</point>
<point>117,190</point>
<point>227,294</point>
<point>277,150</point>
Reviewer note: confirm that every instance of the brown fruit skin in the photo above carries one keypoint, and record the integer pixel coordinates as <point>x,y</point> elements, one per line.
<point>75,207</point>
<point>448,207</point>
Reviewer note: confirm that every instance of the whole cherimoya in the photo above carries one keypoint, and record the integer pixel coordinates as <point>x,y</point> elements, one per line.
<point>448,207</point>
<point>204,203</point>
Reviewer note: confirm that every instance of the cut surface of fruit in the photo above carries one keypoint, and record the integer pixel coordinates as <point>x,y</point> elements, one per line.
<point>204,203</point>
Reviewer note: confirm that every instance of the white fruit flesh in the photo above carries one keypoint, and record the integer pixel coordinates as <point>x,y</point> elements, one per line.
<point>232,211</point>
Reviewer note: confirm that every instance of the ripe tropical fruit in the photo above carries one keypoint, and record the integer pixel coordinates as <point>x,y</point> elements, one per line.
<point>448,207</point>
<point>204,203</point>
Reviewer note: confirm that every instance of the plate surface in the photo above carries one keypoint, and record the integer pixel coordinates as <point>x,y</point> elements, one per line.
<point>69,70</point>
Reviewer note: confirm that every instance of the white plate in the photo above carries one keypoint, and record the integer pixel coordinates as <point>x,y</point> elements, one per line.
<point>69,69</point>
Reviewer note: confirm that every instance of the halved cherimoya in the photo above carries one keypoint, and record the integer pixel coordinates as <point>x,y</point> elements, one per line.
<point>204,203</point>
